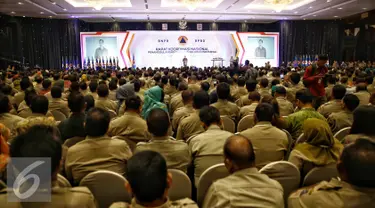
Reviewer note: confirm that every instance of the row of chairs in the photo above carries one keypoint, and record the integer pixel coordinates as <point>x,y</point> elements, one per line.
<point>59,116</point>
<point>340,135</point>
<point>109,187</point>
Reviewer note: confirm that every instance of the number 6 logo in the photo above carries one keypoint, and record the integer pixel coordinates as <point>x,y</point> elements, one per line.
<point>23,177</point>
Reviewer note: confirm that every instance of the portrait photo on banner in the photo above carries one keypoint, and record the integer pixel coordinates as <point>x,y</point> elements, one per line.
<point>101,47</point>
<point>261,47</point>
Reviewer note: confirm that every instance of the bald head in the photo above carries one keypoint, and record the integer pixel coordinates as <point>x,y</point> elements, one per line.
<point>240,153</point>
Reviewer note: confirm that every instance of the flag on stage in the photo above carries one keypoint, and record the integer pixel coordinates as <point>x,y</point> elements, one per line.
<point>133,64</point>
<point>66,63</point>
<point>308,60</point>
<point>84,63</point>
<point>62,62</point>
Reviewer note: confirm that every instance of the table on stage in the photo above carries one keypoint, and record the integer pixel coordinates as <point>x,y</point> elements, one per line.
<point>219,62</point>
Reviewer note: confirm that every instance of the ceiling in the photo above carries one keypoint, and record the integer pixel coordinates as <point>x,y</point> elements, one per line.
<point>172,10</point>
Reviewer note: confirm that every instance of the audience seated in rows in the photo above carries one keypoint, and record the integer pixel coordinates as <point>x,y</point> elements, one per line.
<point>333,106</point>
<point>248,110</point>
<point>285,106</point>
<point>363,124</point>
<point>186,110</point>
<point>225,107</point>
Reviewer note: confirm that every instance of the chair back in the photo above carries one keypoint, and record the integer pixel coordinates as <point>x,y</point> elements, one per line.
<point>181,186</point>
<point>228,124</point>
<point>112,114</point>
<point>319,174</point>
<point>107,187</point>
<point>300,139</point>
<point>190,138</point>
<point>285,173</point>
<point>58,115</point>
<point>290,143</point>
<point>72,141</point>
<point>207,178</point>
<point>63,182</point>
<point>340,135</point>
<point>245,123</point>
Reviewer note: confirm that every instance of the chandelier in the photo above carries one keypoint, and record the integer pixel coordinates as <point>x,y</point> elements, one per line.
<point>278,5</point>
<point>98,4</point>
<point>191,4</point>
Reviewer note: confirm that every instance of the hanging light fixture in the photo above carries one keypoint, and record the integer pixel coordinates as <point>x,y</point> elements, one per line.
<point>98,4</point>
<point>278,5</point>
<point>191,4</point>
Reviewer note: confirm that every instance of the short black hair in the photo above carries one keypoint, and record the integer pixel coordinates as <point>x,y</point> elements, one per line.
<point>29,95</point>
<point>76,102</point>
<point>97,122</point>
<point>304,96</point>
<point>338,92</point>
<point>264,112</point>
<point>39,104</point>
<point>182,86</point>
<point>254,96</point>
<point>323,57</point>
<point>133,103</point>
<point>358,160</point>
<point>122,81</point>
<point>260,40</point>
<point>201,99</point>
<point>56,92</point>
<point>280,90</point>
<point>38,79</point>
<point>363,120</point>
<point>351,102</point>
<point>90,102</point>
<point>241,81</point>
<point>4,103</point>
<point>264,82</point>
<point>187,95</point>
<point>242,157</point>
<point>158,122</point>
<point>223,90</point>
<point>25,83</point>
<point>38,141</point>
<point>93,85</point>
<point>101,40</point>
<point>74,86</point>
<point>56,76</point>
<point>205,86</point>
<point>6,89</point>
<point>103,90</point>
<point>251,85</point>
<point>46,83</point>
<point>295,77</point>
<point>209,115</point>
<point>146,172</point>
<point>83,85</point>
<point>137,85</point>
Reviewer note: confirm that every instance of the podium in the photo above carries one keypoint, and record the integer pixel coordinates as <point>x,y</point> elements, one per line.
<point>217,62</point>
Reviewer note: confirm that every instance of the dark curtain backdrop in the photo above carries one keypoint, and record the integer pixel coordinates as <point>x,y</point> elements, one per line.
<point>45,41</point>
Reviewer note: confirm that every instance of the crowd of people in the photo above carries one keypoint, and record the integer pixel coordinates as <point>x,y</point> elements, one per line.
<point>141,122</point>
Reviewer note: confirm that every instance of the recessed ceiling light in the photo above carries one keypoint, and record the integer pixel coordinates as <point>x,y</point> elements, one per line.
<point>41,12</point>
<point>304,19</point>
<point>364,8</point>
<point>295,12</point>
<point>310,7</point>
<point>335,16</point>
<point>339,8</point>
<point>65,9</point>
<point>93,9</point>
<point>50,16</point>
<point>120,9</point>
<point>53,2</point>
<point>314,15</point>
<point>245,20</point>
<point>20,3</point>
<point>329,1</point>
<point>23,16</point>
<point>12,12</point>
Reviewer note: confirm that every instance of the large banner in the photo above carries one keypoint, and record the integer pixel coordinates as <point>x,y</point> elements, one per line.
<point>178,48</point>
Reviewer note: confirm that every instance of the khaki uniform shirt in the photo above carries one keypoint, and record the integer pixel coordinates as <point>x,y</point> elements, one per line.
<point>227,108</point>
<point>94,154</point>
<point>285,106</point>
<point>189,126</point>
<point>128,125</point>
<point>239,92</point>
<point>243,101</point>
<point>264,92</point>
<point>10,121</point>
<point>19,97</point>
<point>85,92</point>
<point>207,149</point>
<point>351,138</point>
<point>181,113</point>
<point>332,194</point>
<point>270,143</point>
<point>364,97</point>
<point>333,106</point>
<point>176,153</point>
<point>106,104</point>
<point>194,87</point>
<point>340,120</point>
<point>112,95</point>
<point>57,104</point>
<point>170,90</point>
<point>329,91</point>
<point>176,102</point>
<point>94,95</point>
<point>248,110</point>
<point>291,91</point>
<point>76,197</point>
<point>245,188</point>
<point>182,203</point>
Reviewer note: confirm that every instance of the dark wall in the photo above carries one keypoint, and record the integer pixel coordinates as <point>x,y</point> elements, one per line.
<point>45,41</point>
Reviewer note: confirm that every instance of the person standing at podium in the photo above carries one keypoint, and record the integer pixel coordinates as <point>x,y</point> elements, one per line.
<point>185,61</point>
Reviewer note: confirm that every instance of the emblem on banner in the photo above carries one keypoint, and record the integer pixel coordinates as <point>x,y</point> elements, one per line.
<point>182,25</point>
<point>182,40</point>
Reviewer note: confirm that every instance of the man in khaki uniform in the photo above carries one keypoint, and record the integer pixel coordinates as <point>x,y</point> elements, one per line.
<point>48,147</point>
<point>191,125</point>
<point>245,186</point>
<point>187,98</point>
<point>362,94</point>
<point>285,106</point>
<point>270,143</point>
<point>6,118</point>
<point>241,90</point>
<point>207,147</point>
<point>57,104</point>
<point>251,86</point>
<point>176,101</point>
<point>194,84</point>
<point>97,151</point>
<point>344,118</point>
<point>93,86</point>
<point>294,86</point>
<point>148,181</point>
<point>103,102</point>
<point>263,90</point>
<point>356,187</point>
<point>176,153</point>
<point>331,84</point>
<point>20,96</point>
<point>333,106</point>
<point>130,125</point>
<point>225,107</point>
<point>254,98</point>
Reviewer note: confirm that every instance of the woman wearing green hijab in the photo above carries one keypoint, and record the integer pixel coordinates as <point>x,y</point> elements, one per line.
<point>153,99</point>
<point>319,148</point>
